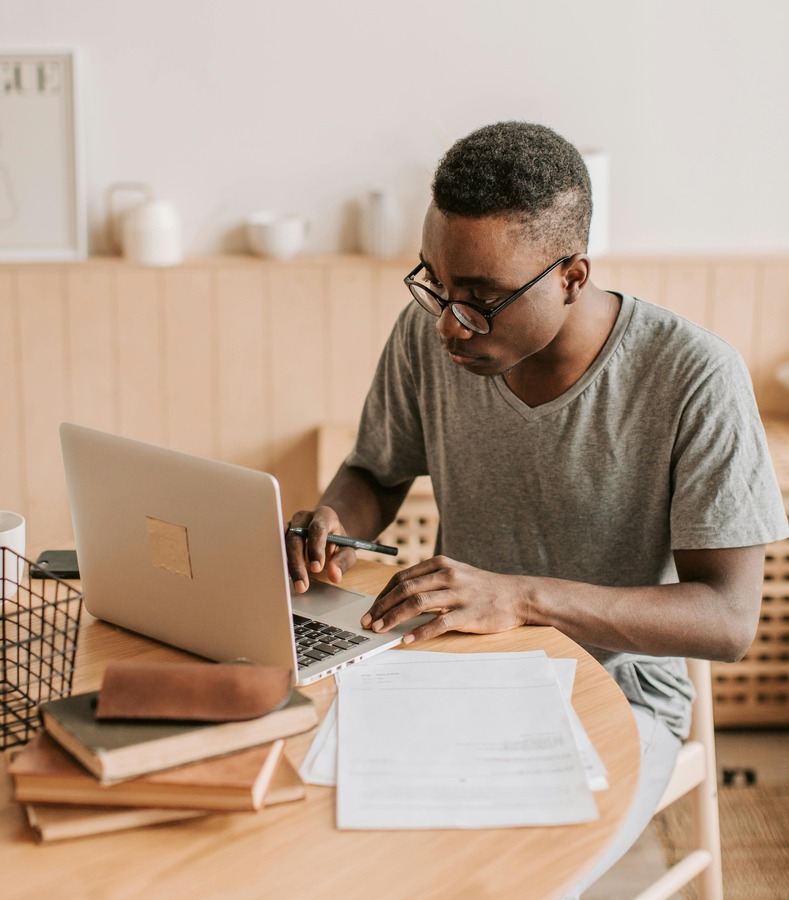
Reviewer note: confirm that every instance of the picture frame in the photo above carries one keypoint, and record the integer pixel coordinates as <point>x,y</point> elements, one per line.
<point>42,203</point>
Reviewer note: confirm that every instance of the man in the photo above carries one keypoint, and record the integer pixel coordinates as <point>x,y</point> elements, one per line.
<point>598,462</point>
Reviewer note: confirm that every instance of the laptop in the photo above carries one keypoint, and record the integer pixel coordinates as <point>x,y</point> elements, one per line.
<point>191,551</point>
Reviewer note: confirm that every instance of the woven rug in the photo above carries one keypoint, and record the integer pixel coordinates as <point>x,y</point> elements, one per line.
<point>754,840</point>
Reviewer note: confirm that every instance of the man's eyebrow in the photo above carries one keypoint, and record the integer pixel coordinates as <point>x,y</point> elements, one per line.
<point>426,264</point>
<point>468,280</point>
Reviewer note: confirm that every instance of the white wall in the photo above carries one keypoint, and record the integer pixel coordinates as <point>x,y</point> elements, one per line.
<point>302,105</point>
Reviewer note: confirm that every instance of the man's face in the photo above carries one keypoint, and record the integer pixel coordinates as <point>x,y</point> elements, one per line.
<point>483,261</point>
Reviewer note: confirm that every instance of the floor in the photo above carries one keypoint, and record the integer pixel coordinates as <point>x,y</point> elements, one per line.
<point>764,752</point>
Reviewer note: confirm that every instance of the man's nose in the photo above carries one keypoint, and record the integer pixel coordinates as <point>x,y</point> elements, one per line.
<point>450,328</point>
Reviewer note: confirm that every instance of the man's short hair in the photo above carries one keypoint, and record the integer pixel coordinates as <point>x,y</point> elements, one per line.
<point>524,171</point>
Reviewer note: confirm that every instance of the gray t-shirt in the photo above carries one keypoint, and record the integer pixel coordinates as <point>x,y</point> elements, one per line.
<point>658,447</point>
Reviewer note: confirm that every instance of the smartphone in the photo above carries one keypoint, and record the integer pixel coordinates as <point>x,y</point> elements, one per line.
<point>61,563</point>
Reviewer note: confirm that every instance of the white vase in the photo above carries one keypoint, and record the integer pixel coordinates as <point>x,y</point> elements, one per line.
<point>381,225</point>
<point>599,237</point>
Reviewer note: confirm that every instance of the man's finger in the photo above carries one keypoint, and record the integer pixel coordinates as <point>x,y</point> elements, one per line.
<point>411,583</point>
<point>439,625</point>
<point>297,561</point>
<point>439,602</point>
<point>339,563</point>
<point>425,567</point>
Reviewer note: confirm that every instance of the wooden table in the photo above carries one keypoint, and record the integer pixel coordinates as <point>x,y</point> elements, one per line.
<point>294,852</point>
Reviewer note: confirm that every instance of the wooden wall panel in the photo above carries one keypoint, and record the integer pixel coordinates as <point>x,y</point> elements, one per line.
<point>688,291</point>
<point>244,373</point>
<point>736,306</point>
<point>603,274</point>
<point>299,361</point>
<point>643,280</point>
<point>243,359</point>
<point>140,355</point>
<point>91,335</point>
<point>772,329</point>
<point>45,375</point>
<point>13,445</point>
<point>190,354</point>
<point>353,344</point>
<point>393,296</point>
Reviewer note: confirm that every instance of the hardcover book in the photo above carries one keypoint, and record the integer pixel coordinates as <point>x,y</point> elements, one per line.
<point>57,822</point>
<point>115,750</point>
<point>42,771</point>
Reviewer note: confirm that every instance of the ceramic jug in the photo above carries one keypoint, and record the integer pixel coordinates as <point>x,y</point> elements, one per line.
<point>150,230</point>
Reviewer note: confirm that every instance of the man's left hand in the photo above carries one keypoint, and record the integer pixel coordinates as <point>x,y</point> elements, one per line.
<point>462,598</point>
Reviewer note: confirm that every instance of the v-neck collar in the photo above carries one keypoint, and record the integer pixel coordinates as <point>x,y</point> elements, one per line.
<point>532,413</point>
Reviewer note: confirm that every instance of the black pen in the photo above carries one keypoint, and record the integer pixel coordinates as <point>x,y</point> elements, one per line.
<point>343,541</point>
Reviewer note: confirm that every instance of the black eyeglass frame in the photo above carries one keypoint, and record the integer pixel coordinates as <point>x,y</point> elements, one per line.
<point>488,315</point>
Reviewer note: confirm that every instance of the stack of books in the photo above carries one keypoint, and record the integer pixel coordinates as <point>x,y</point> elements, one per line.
<point>83,775</point>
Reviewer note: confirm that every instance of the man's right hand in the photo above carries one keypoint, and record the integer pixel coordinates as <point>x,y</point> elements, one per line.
<point>313,554</point>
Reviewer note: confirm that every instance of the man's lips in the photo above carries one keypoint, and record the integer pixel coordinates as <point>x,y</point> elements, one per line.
<point>460,354</point>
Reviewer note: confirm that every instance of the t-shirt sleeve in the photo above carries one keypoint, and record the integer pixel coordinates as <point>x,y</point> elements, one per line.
<point>724,489</point>
<point>390,441</point>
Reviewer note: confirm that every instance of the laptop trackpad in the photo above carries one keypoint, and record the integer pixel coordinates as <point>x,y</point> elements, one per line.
<point>322,599</point>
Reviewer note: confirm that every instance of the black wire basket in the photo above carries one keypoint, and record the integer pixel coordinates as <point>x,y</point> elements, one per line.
<point>40,622</point>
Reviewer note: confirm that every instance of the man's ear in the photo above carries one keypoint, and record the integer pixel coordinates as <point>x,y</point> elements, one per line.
<point>576,274</point>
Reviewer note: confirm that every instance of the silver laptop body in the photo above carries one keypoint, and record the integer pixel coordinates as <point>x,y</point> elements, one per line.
<point>190,551</point>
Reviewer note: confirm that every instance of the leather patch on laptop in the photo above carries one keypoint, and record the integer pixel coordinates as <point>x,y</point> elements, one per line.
<point>169,546</point>
<point>200,692</point>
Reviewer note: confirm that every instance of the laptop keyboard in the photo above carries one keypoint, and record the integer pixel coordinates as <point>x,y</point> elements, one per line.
<point>316,641</point>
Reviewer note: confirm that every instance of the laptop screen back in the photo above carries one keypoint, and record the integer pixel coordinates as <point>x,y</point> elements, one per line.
<point>183,549</point>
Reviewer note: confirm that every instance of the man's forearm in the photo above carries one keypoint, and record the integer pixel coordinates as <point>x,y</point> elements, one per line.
<point>686,619</point>
<point>712,612</point>
<point>364,506</point>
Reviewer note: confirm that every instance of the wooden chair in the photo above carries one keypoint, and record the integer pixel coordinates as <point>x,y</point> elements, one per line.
<point>696,773</point>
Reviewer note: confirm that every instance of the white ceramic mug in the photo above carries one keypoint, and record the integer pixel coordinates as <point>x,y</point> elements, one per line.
<point>278,236</point>
<point>12,535</point>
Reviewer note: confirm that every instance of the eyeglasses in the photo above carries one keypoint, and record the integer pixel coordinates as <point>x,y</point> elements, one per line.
<point>472,317</point>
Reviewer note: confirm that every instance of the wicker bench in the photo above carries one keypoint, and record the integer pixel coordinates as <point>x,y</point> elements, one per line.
<point>755,690</point>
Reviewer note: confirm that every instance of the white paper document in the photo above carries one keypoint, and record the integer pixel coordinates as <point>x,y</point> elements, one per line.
<point>447,740</point>
<point>320,763</point>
